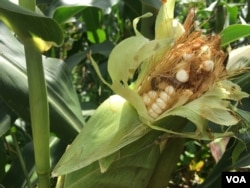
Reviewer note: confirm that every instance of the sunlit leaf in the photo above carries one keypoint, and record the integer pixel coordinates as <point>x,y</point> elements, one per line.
<point>27,24</point>
<point>233,33</point>
<point>5,118</point>
<point>166,26</point>
<point>238,59</point>
<point>125,61</point>
<point>66,9</point>
<point>114,125</point>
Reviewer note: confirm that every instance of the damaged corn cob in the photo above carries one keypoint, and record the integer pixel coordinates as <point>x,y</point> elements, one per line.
<point>192,65</point>
<point>177,73</point>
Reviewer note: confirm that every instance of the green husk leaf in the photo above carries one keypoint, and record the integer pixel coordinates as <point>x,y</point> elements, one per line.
<point>238,59</point>
<point>210,106</point>
<point>151,48</point>
<point>105,162</point>
<point>136,20</point>
<point>166,26</point>
<point>125,61</point>
<point>130,95</point>
<point>114,125</point>
<point>133,49</point>
<point>133,169</point>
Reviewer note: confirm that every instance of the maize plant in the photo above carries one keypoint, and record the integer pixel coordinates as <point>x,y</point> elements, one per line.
<point>182,72</point>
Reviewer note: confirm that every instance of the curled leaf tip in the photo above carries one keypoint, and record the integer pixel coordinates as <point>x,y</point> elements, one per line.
<point>41,44</point>
<point>136,20</point>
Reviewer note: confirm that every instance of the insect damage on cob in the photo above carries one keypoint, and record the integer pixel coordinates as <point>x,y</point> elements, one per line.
<point>189,68</point>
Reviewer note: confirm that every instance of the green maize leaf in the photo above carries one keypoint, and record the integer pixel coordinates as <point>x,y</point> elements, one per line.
<point>65,111</point>
<point>233,11</point>
<point>5,119</point>
<point>27,24</point>
<point>233,33</point>
<point>239,148</point>
<point>64,13</point>
<point>93,22</point>
<point>114,125</point>
<point>64,10</point>
<point>245,115</point>
<point>244,81</point>
<point>4,124</point>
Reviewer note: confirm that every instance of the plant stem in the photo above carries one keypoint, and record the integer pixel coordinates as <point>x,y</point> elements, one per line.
<point>220,18</point>
<point>39,109</point>
<point>171,152</point>
<point>167,163</point>
<point>39,112</point>
<point>20,157</point>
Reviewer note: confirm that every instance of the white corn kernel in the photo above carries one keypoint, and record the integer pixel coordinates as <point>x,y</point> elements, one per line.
<point>152,94</point>
<point>208,65</point>
<point>204,48</point>
<point>182,76</point>
<point>187,56</point>
<point>156,108</point>
<point>161,103</point>
<point>146,99</point>
<point>170,90</point>
<point>152,113</point>
<point>164,96</point>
